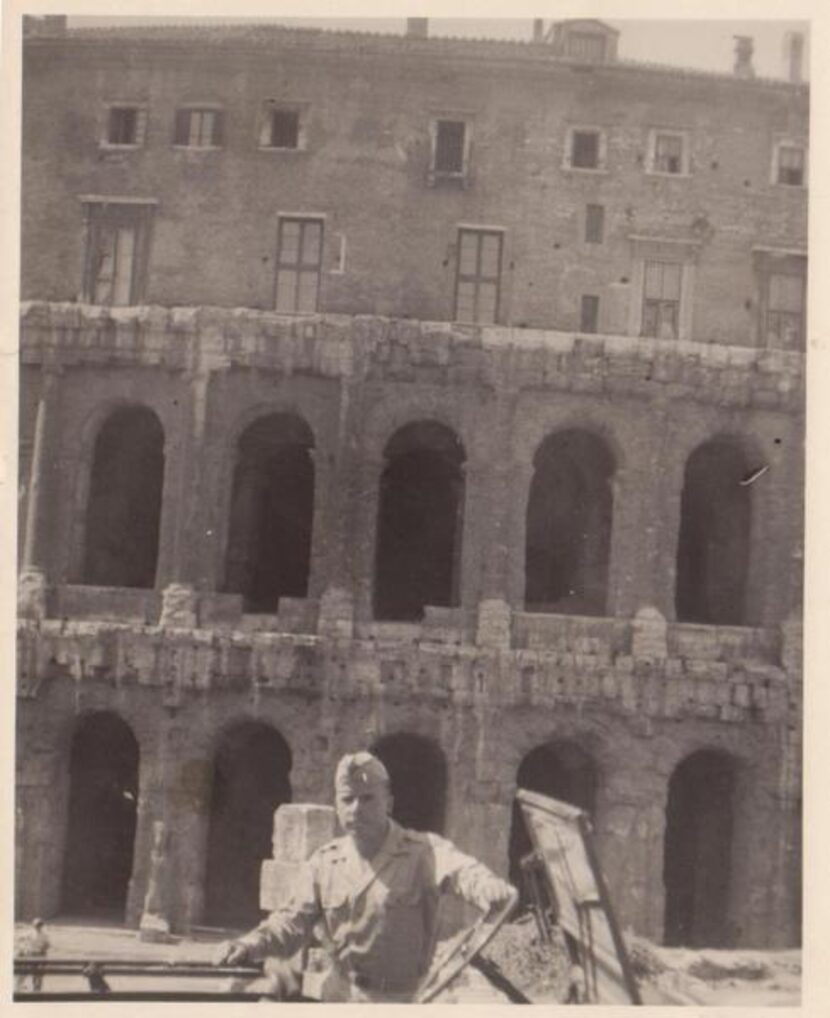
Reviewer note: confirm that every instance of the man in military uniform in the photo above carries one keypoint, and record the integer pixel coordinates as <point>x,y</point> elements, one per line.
<point>373,895</point>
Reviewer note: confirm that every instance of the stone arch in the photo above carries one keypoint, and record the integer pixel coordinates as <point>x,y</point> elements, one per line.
<point>268,551</point>
<point>101,821</point>
<point>713,547</point>
<point>418,777</point>
<point>562,769</point>
<point>700,822</point>
<point>250,779</point>
<point>568,528</point>
<point>123,510</point>
<point>420,517</point>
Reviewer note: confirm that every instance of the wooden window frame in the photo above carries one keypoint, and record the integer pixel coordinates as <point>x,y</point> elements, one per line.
<point>594,223</point>
<point>188,111</point>
<point>602,148</point>
<point>272,107</point>
<point>770,262</point>
<point>102,214</point>
<point>477,278</point>
<point>461,176</point>
<point>655,134</point>
<point>789,143</point>
<point>139,128</point>
<point>299,267</point>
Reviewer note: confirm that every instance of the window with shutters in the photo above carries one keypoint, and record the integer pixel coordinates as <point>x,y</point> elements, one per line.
<point>668,153</point>
<point>585,149</point>
<point>299,261</point>
<point>789,164</point>
<point>661,299</point>
<point>199,127</point>
<point>115,266</point>
<point>589,313</point>
<point>594,224</point>
<point>126,126</point>
<point>478,277</point>
<point>283,126</point>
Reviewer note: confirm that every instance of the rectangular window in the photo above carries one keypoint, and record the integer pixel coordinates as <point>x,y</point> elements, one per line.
<point>668,153</point>
<point>585,150</point>
<point>594,224</point>
<point>589,313</point>
<point>116,257</point>
<point>198,128</point>
<point>299,261</point>
<point>449,146</point>
<point>785,311</point>
<point>661,299</point>
<point>479,276</point>
<point>126,125</point>
<point>282,127</point>
<point>791,164</point>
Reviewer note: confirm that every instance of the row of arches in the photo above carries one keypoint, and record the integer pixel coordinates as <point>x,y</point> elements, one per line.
<point>251,777</point>
<point>569,514</point>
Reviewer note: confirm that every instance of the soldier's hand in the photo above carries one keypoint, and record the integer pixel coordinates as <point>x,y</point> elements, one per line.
<point>231,953</point>
<point>500,894</point>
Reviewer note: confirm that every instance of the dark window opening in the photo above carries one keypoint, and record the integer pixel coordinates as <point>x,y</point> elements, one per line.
<point>668,153</point>
<point>284,129</point>
<point>594,224</point>
<point>299,263</point>
<point>125,125</point>
<point>585,150</point>
<point>478,278</point>
<point>588,313</point>
<point>698,848</point>
<point>661,299</point>
<point>568,535</point>
<point>103,793</point>
<point>115,265</point>
<point>714,540</point>
<point>251,778</point>
<point>199,128</point>
<point>562,770</point>
<point>418,779</point>
<point>124,507</point>
<point>449,146</point>
<point>420,516</point>
<point>272,505</point>
<point>791,165</point>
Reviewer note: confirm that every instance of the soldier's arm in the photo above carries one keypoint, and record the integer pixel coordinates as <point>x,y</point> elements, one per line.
<point>467,877</point>
<point>285,931</point>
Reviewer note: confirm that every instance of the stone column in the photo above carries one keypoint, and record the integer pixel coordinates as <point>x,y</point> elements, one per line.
<point>40,500</point>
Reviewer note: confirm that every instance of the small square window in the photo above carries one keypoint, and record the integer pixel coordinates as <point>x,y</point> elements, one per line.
<point>199,128</point>
<point>791,163</point>
<point>589,313</point>
<point>594,224</point>
<point>126,125</point>
<point>449,146</point>
<point>585,150</point>
<point>668,153</point>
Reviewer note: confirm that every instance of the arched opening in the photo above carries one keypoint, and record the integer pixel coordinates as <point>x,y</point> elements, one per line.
<point>714,540</point>
<point>419,522</point>
<point>251,771</point>
<point>272,507</point>
<point>568,536</point>
<point>697,850</point>
<point>418,777</point>
<point>124,506</point>
<point>103,792</point>
<point>562,770</point>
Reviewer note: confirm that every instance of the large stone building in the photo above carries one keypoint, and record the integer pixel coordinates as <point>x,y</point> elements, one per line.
<point>439,395</point>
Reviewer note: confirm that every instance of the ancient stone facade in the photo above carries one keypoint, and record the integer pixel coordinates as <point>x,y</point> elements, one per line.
<point>443,505</point>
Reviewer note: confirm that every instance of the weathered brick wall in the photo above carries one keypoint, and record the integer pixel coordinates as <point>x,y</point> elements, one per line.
<point>370,103</point>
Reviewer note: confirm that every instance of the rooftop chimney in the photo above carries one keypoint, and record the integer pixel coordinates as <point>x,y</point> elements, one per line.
<point>538,30</point>
<point>744,47</point>
<point>794,57</point>
<point>417,28</point>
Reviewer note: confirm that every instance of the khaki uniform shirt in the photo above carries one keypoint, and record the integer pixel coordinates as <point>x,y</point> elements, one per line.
<point>377,917</point>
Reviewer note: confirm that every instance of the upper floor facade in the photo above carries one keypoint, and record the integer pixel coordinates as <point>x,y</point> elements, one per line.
<point>541,185</point>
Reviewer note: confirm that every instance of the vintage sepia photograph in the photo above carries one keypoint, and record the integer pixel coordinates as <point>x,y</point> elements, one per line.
<point>410,529</point>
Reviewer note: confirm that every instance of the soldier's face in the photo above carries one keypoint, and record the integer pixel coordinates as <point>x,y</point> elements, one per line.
<point>363,814</point>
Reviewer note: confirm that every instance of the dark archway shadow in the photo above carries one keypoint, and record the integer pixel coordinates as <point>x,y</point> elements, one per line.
<point>103,794</point>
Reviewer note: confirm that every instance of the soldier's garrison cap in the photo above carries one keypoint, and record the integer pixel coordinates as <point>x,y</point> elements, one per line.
<point>359,771</point>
